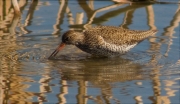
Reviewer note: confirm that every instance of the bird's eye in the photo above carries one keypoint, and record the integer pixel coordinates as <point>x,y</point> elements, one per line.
<point>66,38</point>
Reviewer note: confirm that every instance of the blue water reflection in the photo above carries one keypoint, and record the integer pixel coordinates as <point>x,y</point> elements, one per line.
<point>149,73</point>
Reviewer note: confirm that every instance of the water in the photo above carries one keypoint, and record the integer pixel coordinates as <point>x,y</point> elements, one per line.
<point>149,73</point>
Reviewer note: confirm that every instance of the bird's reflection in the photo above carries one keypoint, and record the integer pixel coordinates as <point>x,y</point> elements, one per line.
<point>100,71</point>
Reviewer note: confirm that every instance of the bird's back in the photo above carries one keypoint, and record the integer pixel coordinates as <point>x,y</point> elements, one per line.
<point>119,35</point>
<point>110,40</point>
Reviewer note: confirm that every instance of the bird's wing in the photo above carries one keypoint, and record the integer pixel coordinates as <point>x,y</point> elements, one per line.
<point>119,35</point>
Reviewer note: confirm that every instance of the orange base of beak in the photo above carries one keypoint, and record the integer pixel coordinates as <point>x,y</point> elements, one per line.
<point>59,48</point>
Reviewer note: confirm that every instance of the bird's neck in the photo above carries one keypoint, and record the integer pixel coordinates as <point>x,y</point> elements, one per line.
<point>80,38</point>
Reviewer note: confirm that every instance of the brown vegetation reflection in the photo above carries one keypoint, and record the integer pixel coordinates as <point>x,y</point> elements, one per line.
<point>101,75</point>
<point>12,89</point>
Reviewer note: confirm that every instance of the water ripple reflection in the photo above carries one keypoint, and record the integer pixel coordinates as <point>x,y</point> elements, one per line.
<point>149,73</point>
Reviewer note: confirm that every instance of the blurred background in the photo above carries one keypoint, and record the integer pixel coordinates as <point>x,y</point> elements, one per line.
<point>31,29</point>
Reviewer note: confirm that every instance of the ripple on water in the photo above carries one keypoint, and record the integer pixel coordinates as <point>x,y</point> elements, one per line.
<point>127,73</point>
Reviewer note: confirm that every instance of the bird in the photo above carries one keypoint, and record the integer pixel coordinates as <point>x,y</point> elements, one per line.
<point>104,40</point>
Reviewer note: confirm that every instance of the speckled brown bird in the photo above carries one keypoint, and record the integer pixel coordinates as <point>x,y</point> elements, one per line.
<point>104,40</point>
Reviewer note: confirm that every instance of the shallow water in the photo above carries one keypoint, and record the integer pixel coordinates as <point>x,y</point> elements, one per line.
<point>149,73</point>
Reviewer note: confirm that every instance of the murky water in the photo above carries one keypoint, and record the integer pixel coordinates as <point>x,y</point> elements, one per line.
<point>149,73</point>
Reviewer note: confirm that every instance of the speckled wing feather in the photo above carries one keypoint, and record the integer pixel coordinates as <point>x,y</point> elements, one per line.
<point>119,35</point>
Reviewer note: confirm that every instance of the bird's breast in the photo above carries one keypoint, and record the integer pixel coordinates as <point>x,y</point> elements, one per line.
<point>105,49</point>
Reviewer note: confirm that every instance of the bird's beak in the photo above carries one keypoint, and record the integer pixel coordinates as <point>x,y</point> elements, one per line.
<point>59,48</point>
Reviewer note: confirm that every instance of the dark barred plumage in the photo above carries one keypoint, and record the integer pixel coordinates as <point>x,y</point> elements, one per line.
<point>106,40</point>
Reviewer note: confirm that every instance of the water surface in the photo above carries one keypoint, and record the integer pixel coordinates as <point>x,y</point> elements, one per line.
<point>149,73</point>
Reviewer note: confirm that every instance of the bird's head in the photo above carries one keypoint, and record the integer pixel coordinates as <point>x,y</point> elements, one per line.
<point>70,38</point>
